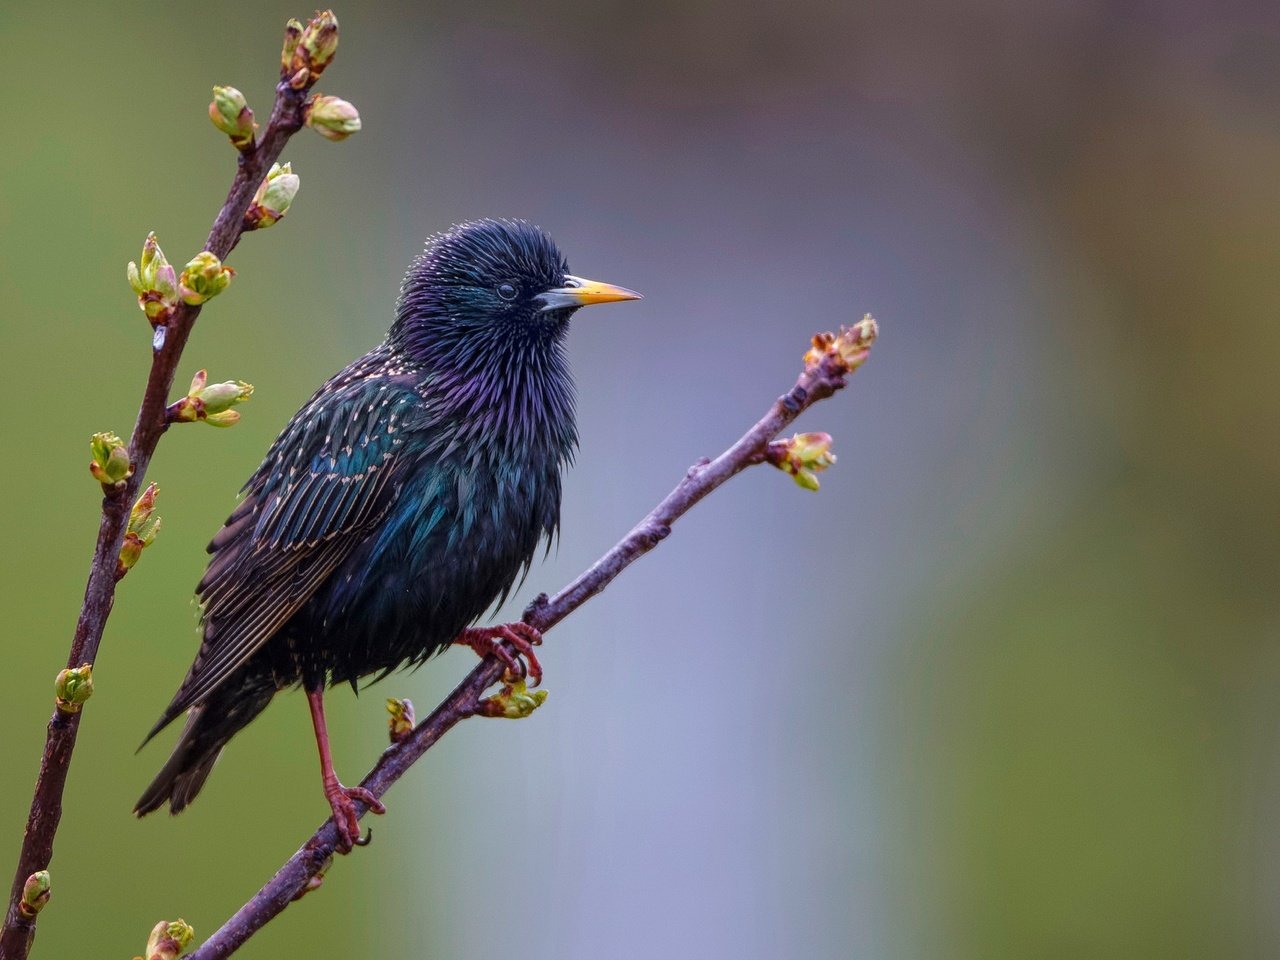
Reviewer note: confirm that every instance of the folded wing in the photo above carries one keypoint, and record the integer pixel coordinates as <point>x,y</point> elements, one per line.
<point>328,481</point>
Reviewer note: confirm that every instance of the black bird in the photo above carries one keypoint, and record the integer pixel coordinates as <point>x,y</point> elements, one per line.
<point>396,507</point>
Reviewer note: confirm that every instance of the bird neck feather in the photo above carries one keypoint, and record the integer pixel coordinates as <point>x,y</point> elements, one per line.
<point>509,386</point>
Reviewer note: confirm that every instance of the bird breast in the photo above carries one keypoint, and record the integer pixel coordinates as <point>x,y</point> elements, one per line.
<point>462,531</point>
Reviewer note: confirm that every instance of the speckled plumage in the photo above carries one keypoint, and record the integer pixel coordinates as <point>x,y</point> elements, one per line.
<point>398,504</point>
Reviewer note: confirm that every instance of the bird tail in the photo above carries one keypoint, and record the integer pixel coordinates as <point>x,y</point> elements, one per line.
<point>229,709</point>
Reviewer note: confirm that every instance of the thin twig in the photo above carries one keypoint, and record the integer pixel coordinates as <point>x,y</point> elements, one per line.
<point>826,371</point>
<point>46,803</point>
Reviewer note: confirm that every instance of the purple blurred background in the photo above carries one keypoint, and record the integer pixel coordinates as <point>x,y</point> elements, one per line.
<point>1003,688</point>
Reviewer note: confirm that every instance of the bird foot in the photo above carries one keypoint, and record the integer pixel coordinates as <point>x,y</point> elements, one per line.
<point>342,800</point>
<point>489,640</point>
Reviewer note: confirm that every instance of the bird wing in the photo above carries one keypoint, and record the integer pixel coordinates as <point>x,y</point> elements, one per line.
<point>328,480</point>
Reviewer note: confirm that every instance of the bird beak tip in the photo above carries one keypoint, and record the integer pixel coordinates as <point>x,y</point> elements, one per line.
<point>581,292</point>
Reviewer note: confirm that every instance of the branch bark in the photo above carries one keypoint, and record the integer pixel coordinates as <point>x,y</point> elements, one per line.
<point>827,368</point>
<point>46,803</point>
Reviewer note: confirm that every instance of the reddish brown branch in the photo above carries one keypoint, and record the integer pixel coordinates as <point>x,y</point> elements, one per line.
<point>825,373</point>
<point>46,802</point>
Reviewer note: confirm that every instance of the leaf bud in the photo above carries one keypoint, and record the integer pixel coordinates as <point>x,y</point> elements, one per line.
<point>332,117</point>
<point>274,197</point>
<point>110,465</point>
<point>168,940</point>
<point>204,278</point>
<point>231,114</point>
<point>73,687</point>
<point>155,282</point>
<point>35,894</point>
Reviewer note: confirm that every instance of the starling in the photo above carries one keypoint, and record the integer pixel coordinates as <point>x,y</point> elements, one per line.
<point>397,506</point>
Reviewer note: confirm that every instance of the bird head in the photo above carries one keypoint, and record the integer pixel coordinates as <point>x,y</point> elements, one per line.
<point>491,284</point>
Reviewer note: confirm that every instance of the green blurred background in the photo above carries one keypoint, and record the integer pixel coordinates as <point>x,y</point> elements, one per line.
<point>1004,688</point>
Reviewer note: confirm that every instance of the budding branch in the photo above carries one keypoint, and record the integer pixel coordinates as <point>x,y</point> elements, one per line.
<point>826,372</point>
<point>827,367</point>
<point>46,802</point>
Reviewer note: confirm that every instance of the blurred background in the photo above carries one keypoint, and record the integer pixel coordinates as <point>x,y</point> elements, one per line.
<point>1003,688</point>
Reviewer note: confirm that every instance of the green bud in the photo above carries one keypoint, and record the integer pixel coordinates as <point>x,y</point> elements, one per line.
<point>35,894</point>
<point>804,456</point>
<point>292,34</point>
<point>275,195</point>
<point>73,687</point>
<point>187,410</point>
<point>110,465</point>
<point>332,117</point>
<point>204,278</point>
<point>210,403</point>
<point>168,940</point>
<point>806,480</point>
<point>166,286</point>
<point>155,282</point>
<point>851,346</point>
<point>813,450</point>
<point>231,114</point>
<point>313,50</point>
<point>279,189</point>
<point>144,524</point>
<point>142,519</point>
<point>400,723</point>
<point>854,343</point>
<point>130,554</point>
<point>320,40</point>
<point>512,702</point>
<point>223,396</point>
<point>152,258</point>
<point>228,418</point>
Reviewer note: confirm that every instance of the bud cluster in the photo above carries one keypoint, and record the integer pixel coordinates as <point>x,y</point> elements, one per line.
<point>849,347</point>
<point>512,702</point>
<point>160,288</point>
<point>307,51</point>
<point>803,456</point>
<point>231,114</point>
<point>274,196</point>
<point>210,403</point>
<point>110,465</point>
<point>72,687</point>
<point>203,279</point>
<point>168,940</point>
<point>155,282</point>
<point>144,524</point>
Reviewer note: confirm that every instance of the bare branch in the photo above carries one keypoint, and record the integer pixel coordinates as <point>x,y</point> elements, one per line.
<point>828,365</point>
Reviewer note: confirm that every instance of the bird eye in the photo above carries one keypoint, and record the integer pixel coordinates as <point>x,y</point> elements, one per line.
<point>507,291</point>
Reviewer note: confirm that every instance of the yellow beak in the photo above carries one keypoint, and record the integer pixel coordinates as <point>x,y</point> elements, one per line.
<point>581,292</point>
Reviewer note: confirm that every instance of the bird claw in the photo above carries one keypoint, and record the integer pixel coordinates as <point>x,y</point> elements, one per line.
<point>342,800</point>
<point>521,636</point>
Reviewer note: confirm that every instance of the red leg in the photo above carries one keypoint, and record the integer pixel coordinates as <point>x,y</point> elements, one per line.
<point>489,640</point>
<point>341,799</point>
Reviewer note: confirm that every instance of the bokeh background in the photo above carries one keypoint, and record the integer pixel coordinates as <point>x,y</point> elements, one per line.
<point>1003,688</point>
